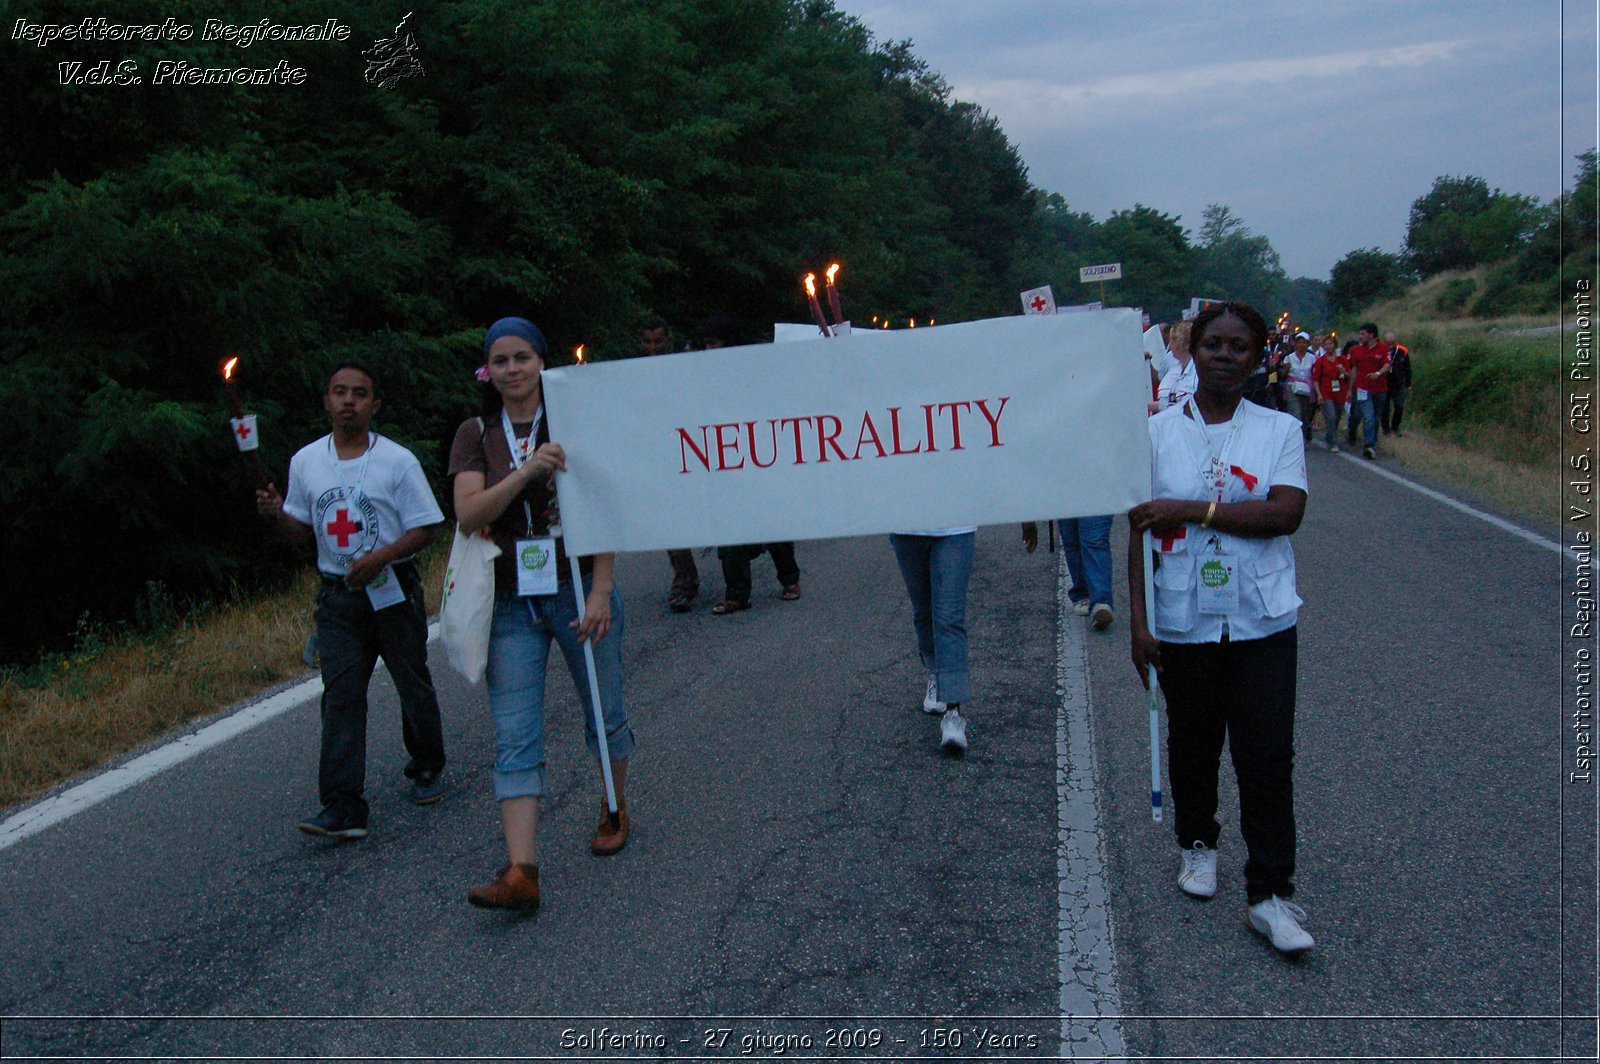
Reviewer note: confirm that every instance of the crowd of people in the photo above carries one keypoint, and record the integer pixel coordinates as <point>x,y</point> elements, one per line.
<point>1229,485</point>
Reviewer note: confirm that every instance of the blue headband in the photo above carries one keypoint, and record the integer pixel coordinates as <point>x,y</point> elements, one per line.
<point>520,327</point>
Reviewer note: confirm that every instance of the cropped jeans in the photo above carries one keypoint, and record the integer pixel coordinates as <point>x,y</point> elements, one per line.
<point>936,570</point>
<point>1086,543</point>
<point>519,652</point>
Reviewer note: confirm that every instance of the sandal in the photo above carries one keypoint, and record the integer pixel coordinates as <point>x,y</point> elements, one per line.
<point>791,592</point>
<point>727,606</point>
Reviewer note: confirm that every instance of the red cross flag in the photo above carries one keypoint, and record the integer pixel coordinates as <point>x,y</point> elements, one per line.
<point>244,432</point>
<point>1039,301</point>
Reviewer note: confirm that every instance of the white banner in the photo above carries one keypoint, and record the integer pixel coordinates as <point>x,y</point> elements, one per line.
<point>985,422</point>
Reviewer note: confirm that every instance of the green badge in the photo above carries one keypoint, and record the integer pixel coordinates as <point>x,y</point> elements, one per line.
<point>1214,574</point>
<point>534,557</point>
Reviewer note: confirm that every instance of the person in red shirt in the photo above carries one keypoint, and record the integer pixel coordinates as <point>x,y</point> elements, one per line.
<point>1332,381</point>
<point>1369,377</point>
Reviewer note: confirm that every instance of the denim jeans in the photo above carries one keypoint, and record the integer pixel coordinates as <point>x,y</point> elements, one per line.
<point>936,570</point>
<point>519,653</point>
<point>1243,692</point>
<point>351,637</point>
<point>1331,409</point>
<point>1366,410</point>
<point>1380,405</point>
<point>1086,543</point>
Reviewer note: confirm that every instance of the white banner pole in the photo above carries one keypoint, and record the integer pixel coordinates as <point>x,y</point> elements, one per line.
<point>1150,676</point>
<point>594,698</point>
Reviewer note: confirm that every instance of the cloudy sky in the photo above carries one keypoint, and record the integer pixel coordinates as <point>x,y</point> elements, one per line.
<point>1317,122</point>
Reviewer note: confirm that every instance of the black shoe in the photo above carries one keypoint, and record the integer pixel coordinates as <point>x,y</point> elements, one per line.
<point>1369,453</point>
<point>427,787</point>
<point>332,824</point>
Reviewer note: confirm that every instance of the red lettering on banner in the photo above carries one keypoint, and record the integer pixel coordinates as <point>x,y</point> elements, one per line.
<point>955,421</point>
<point>994,419</point>
<point>869,429</point>
<point>702,452</point>
<point>755,456</point>
<point>724,446</point>
<point>894,432</point>
<point>927,418</point>
<point>799,458</point>
<point>826,439</point>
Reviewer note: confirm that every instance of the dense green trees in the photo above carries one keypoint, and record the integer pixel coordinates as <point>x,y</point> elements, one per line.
<point>1363,276</point>
<point>1460,223</point>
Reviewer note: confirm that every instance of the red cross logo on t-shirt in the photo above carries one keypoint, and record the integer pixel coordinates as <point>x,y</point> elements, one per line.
<point>1170,538</point>
<point>343,528</point>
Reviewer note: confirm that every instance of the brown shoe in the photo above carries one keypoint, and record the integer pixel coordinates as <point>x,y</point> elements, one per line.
<point>515,888</point>
<point>606,841</point>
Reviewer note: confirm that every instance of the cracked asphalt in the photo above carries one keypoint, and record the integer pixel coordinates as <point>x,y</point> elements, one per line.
<point>804,861</point>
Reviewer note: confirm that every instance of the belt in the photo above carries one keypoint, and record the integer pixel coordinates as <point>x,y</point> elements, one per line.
<point>405,570</point>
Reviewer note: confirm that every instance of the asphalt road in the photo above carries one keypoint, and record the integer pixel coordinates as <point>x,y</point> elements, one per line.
<point>804,864</point>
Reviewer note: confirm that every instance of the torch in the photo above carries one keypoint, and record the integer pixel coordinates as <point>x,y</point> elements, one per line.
<point>816,308</point>
<point>834,303</point>
<point>243,425</point>
<point>580,354</point>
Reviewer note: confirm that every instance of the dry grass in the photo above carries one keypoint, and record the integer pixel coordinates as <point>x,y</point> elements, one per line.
<point>106,700</point>
<point>1418,308</point>
<point>1512,487</point>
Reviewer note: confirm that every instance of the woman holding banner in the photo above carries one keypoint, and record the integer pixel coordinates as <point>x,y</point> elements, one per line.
<point>503,465</point>
<point>1229,484</point>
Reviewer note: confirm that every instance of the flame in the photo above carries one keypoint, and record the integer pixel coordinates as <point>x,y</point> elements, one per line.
<point>811,284</point>
<point>930,321</point>
<point>885,323</point>
<point>913,323</point>
<point>831,271</point>
<point>580,354</point>
<point>228,368</point>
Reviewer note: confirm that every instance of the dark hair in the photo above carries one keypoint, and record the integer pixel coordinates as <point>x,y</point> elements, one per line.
<point>1370,327</point>
<point>655,321</point>
<point>720,327</point>
<point>1243,311</point>
<point>359,366</point>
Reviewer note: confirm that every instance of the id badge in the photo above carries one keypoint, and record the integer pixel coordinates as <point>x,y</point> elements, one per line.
<point>536,566</point>
<point>385,590</point>
<point>1219,584</point>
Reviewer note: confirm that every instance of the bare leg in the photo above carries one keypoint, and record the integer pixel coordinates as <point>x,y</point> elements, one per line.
<point>519,820</point>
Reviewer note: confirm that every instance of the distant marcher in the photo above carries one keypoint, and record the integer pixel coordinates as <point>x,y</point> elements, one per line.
<point>1298,368</point>
<point>1369,377</point>
<point>721,331</point>
<point>1179,381</point>
<point>1229,486</point>
<point>504,464</point>
<point>1399,383</point>
<point>1331,382</point>
<point>655,338</point>
<point>1352,412</point>
<point>366,502</point>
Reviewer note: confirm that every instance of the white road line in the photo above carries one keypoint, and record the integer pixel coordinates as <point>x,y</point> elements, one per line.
<point>1090,1004</point>
<point>1498,522</point>
<point>96,789</point>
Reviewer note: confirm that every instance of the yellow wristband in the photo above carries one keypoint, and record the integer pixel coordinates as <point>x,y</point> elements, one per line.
<point>1210,513</point>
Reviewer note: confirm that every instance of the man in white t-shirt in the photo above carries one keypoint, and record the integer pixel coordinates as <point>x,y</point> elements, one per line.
<point>366,502</point>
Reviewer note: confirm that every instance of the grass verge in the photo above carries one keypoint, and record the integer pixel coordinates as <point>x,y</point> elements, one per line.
<point>113,694</point>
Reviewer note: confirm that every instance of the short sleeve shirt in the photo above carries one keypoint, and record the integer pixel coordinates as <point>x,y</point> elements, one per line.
<point>359,505</point>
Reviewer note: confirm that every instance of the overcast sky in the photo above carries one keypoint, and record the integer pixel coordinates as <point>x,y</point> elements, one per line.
<point>1317,122</point>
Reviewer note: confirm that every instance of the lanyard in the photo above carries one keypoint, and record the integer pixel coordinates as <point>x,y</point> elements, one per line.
<point>361,470</point>
<point>519,451</point>
<point>1218,470</point>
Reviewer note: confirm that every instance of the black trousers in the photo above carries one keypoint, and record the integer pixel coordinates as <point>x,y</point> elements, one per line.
<point>736,566</point>
<point>1244,691</point>
<point>351,637</point>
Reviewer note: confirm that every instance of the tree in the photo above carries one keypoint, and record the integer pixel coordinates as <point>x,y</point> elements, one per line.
<point>1462,223</point>
<point>1157,261</point>
<point>1363,276</point>
<point>1233,264</point>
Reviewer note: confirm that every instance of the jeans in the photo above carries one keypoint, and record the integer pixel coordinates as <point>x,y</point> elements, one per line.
<point>1380,404</point>
<point>736,566</point>
<point>519,653</point>
<point>936,570</point>
<point>1243,691</point>
<point>1352,418</point>
<point>1086,543</point>
<point>351,637</point>
<point>1331,409</point>
<point>1365,409</point>
<point>1306,408</point>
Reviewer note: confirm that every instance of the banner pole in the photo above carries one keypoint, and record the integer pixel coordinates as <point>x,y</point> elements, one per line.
<point>1155,705</point>
<point>594,698</point>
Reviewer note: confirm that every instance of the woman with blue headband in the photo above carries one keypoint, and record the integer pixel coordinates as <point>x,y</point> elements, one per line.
<point>503,466</point>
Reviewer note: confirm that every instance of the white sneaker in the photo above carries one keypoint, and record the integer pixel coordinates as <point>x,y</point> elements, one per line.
<point>1081,607</point>
<point>930,701</point>
<point>1279,921</point>
<point>953,732</point>
<point>1199,875</point>
<point>1100,616</point>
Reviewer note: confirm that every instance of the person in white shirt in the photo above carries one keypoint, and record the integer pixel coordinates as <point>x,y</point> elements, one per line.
<point>1229,488</point>
<point>1301,361</point>
<point>1179,382</point>
<point>366,502</point>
